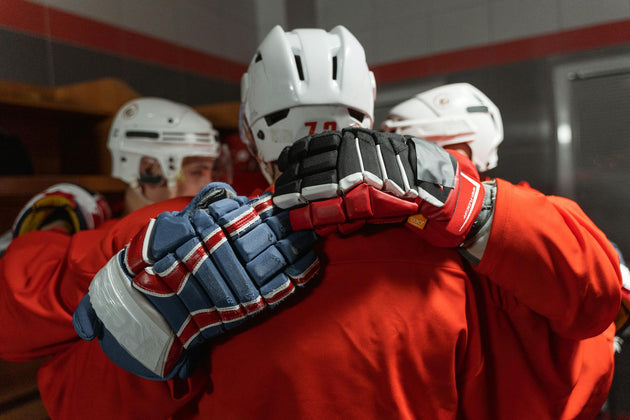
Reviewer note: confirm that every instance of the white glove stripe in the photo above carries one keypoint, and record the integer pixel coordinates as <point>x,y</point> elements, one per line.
<point>254,306</point>
<point>130,317</point>
<point>306,275</point>
<point>231,314</point>
<point>320,192</point>
<point>264,205</point>
<point>381,163</point>
<point>188,332</point>
<point>403,175</point>
<point>471,202</point>
<point>195,257</point>
<point>207,318</point>
<point>356,144</point>
<point>424,195</point>
<point>235,226</point>
<point>151,272</point>
<point>173,276</point>
<point>286,201</point>
<point>136,252</point>
<point>350,181</point>
<point>280,293</point>
<point>214,239</point>
<point>146,242</point>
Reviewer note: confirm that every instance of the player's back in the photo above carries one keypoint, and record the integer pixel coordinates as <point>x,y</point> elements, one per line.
<point>386,334</point>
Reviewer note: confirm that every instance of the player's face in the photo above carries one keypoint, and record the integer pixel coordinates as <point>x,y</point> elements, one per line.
<point>195,173</point>
<point>463,148</point>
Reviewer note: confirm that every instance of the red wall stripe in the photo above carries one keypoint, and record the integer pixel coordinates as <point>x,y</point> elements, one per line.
<point>67,27</point>
<point>28,17</point>
<point>23,16</point>
<point>583,39</point>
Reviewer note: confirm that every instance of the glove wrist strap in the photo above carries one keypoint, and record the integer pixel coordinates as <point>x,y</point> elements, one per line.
<point>474,246</point>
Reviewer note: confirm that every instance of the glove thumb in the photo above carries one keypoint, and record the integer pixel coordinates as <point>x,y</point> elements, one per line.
<point>85,320</point>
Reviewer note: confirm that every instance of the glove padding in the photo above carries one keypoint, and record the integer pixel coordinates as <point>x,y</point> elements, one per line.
<point>342,180</point>
<point>190,276</point>
<point>81,208</point>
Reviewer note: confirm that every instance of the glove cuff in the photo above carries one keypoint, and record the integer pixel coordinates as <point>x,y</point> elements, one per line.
<point>130,317</point>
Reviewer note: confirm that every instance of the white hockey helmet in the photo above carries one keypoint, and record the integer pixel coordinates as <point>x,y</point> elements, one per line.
<point>301,82</point>
<point>164,130</point>
<point>452,114</point>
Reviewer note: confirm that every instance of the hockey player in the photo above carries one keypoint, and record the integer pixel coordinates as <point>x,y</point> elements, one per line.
<point>63,237</point>
<point>161,149</point>
<point>397,325</point>
<point>521,267</point>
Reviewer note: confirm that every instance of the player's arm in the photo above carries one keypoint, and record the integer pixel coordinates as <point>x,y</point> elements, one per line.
<point>547,253</point>
<point>191,276</point>
<point>34,310</point>
<point>543,250</point>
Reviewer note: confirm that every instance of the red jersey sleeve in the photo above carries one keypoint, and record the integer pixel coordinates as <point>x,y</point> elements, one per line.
<point>44,275</point>
<point>547,253</point>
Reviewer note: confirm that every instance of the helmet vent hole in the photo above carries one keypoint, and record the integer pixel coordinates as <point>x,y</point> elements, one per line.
<point>260,135</point>
<point>257,58</point>
<point>170,121</point>
<point>298,63</point>
<point>274,117</point>
<point>142,134</point>
<point>479,108</point>
<point>334,69</point>
<point>358,115</point>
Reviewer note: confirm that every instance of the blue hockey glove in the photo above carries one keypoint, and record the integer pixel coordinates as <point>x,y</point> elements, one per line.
<point>190,276</point>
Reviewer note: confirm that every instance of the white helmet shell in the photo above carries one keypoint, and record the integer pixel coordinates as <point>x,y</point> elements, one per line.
<point>452,114</point>
<point>164,130</point>
<point>302,82</point>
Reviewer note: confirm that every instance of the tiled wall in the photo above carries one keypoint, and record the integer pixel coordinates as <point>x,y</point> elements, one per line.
<point>223,28</point>
<point>401,29</point>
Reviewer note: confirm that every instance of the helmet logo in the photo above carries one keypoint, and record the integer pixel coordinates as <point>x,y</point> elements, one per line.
<point>442,101</point>
<point>130,111</point>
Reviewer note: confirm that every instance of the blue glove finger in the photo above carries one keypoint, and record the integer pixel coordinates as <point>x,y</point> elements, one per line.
<point>267,264</point>
<point>212,192</point>
<point>263,205</point>
<point>223,256</point>
<point>212,302</point>
<point>304,269</point>
<point>255,242</point>
<point>297,244</point>
<point>193,317</point>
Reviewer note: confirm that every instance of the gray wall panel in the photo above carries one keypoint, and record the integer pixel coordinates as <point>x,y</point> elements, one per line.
<point>73,64</point>
<point>24,58</point>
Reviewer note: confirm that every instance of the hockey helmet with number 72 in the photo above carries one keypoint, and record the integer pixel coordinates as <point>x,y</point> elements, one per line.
<point>302,82</point>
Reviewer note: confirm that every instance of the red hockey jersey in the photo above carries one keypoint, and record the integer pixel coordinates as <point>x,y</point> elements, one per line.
<point>396,328</point>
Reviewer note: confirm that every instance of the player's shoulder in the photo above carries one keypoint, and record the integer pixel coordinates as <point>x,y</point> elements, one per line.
<point>388,244</point>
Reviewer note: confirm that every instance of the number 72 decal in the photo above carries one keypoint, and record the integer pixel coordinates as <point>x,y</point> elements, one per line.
<point>312,126</point>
